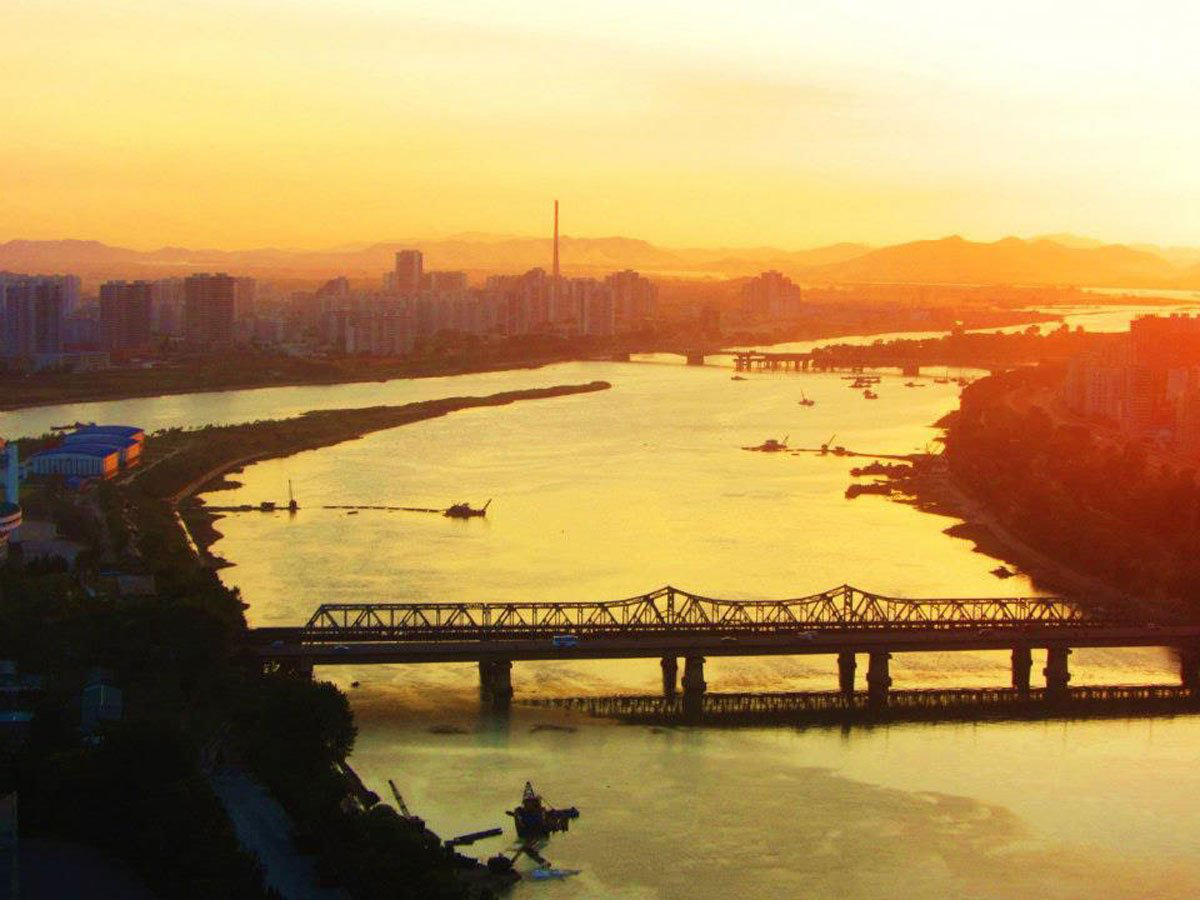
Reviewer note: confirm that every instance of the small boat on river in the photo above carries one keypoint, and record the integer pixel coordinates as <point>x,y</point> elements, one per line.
<point>466,511</point>
<point>770,445</point>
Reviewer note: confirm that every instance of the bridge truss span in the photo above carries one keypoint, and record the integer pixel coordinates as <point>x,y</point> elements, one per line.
<point>670,610</point>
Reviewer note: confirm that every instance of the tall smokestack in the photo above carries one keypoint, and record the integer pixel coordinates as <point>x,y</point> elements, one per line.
<point>556,242</point>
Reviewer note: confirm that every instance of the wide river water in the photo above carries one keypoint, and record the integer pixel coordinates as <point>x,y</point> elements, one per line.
<point>606,495</point>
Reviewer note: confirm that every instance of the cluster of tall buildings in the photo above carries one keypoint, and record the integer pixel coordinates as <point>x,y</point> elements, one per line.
<point>34,310</point>
<point>202,310</point>
<point>1148,383</point>
<point>416,304</point>
<point>43,325</point>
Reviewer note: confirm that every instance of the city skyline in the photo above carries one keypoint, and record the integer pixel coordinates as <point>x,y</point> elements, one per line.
<point>862,123</point>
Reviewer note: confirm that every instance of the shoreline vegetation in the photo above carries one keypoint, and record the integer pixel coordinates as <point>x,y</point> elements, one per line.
<point>198,708</point>
<point>928,484</point>
<point>1082,509</point>
<point>250,370</point>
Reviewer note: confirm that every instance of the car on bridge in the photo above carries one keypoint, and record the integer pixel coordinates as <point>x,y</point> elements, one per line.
<point>563,641</point>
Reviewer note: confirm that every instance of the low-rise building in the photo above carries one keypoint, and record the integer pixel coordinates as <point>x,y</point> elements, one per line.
<point>79,460</point>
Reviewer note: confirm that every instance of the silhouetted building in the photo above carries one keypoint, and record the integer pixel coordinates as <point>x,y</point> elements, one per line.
<point>245,297</point>
<point>445,282</point>
<point>634,298</point>
<point>168,307</point>
<point>335,287</point>
<point>1187,420</point>
<point>209,310</point>
<point>34,307</point>
<point>771,295</point>
<point>410,269</point>
<point>125,315</point>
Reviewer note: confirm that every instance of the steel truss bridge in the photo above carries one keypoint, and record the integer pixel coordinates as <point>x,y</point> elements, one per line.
<point>671,624</point>
<point>671,611</point>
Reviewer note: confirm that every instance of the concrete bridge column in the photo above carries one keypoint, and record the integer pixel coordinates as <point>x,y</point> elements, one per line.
<point>695,359</point>
<point>879,678</point>
<point>846,666</point>
<point>693,686</point>
<point>1057,672</point>
<point>501,683</point>
<point>1189,669</point>
<point>485,681</point>
<point>1022,667</point>
<point>670,676</point>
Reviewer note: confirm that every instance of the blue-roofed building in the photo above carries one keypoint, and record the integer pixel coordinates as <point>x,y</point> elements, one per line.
<point>129,448</point>
<point>85,460</point>
<point>132,432</point>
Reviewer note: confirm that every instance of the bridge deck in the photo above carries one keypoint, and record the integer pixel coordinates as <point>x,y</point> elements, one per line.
<point>299,645</point>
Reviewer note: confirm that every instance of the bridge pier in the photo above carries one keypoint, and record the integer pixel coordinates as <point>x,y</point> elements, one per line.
<point>694,686</point>
<point>846,666</point>
<point>879,678</point>
<point>485,681</point>
<point>1022,668</point>
<point>495,682</point>
<point>1189,669</point>
<point>695,359</point>
<point>670,676</point>
<point>1057,672</point>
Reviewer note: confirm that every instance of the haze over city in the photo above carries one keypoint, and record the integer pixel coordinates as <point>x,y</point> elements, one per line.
<point>316,124</point>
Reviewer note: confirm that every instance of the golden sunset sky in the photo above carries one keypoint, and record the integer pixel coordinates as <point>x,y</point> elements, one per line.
<point>314,123</point>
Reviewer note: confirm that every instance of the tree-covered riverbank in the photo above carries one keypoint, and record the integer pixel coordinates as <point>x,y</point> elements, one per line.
<point>195,703</point>
<point>1077,505</point>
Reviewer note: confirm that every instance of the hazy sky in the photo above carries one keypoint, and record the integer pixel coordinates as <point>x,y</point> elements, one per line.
<point>317,122</point>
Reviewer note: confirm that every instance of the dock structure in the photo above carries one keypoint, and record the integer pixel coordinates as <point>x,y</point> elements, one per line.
<point>836,707</point>
<point>823,359</point>
<point>670,624</point>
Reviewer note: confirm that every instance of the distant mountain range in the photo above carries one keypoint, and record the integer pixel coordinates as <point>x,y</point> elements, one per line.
<point>1051,259</point>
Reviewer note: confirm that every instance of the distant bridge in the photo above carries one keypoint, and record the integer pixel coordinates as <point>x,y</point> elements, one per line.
<point>669,623</point>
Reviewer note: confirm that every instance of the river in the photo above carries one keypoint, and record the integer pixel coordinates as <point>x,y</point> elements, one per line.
<point>606,495</point>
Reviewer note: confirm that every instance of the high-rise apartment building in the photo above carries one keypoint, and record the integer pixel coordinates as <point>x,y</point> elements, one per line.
<point>410,270</point>
<point>125,315</point>
<point>34,307</point>
<point>634,298</point>
<point>167,311</point>
<point>771,295</point>
<point>209,310</point>
<point>245,297</point>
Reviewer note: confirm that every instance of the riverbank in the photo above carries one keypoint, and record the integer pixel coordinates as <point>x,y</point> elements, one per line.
<point>178,463</point>
<point>243,371</point>
<point>929,485</point>
<point>246,370</point>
